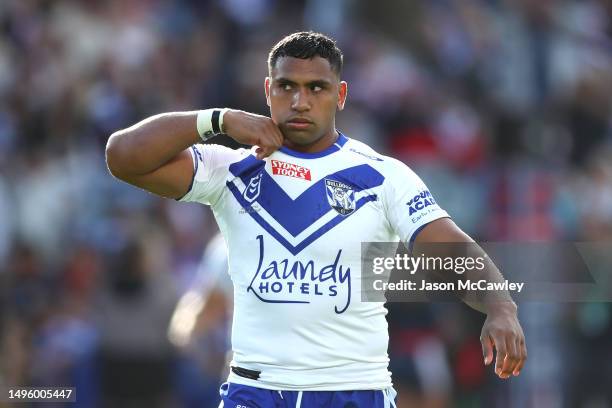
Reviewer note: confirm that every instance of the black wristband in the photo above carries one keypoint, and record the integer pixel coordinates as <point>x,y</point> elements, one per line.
<point>215,121</point>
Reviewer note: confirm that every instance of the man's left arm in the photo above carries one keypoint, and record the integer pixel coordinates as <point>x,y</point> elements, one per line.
<point>501,329</point>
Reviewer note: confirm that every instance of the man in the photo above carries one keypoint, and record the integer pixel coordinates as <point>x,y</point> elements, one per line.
<point>294,210</point>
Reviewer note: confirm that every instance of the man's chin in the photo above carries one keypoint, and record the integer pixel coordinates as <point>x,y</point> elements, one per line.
<point>298,137</point>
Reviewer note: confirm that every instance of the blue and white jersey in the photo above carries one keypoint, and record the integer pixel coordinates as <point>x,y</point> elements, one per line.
<point>293,224</point>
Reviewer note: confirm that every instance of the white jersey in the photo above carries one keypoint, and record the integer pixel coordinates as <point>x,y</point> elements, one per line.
<point>293,224</point>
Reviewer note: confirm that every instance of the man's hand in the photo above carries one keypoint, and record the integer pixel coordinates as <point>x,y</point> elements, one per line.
<point>251,129</point>
<point>502,330</point>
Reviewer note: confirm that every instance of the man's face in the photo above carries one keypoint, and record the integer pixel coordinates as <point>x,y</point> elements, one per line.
<point>303,95</point>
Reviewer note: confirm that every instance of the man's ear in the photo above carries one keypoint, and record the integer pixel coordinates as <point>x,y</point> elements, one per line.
<point>267,88</point>
<point>342,92</point>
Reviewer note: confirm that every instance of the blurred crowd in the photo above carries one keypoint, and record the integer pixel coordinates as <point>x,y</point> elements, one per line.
<point>504,107</point>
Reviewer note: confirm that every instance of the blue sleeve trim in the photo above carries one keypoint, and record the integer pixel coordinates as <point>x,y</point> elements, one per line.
<point>418,230</point>
<point>414,235</point>
<point>194,156</point>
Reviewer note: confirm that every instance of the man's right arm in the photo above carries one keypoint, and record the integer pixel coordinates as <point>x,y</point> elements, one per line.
<point>153,155</point>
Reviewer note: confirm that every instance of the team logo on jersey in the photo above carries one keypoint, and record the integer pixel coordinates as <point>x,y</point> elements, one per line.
<point>282,168</point>
<point>252,190</point>
<point>340,196</point>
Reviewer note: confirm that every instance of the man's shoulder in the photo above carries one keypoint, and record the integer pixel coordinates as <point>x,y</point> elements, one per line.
<point>221,149</point>
<point>365,154</point>
<point>219,154</point>
<point>362,151</point>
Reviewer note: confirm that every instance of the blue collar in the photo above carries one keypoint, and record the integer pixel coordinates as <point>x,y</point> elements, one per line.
<point>331,149</point>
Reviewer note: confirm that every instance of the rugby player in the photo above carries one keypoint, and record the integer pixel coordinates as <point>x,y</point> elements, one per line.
<point>294,210</point>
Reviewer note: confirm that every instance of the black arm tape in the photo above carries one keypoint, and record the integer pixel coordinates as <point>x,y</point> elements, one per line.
<point>215,121</point>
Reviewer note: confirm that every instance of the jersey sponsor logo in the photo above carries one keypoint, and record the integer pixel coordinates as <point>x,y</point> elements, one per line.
<point>253,208</point>
<point>251,192</point>
<point>301,281</point>
<point>341,197</point>
<point>282,168</point>
<point>420,202</point>
<point>369,156</point>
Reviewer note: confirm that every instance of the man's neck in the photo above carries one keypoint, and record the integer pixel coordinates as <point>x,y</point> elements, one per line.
<point>318,145</point>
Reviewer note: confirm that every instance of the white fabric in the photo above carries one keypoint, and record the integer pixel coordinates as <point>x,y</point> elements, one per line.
<point>327,339</point>
<point>204,123</point>
<point>390,395</point>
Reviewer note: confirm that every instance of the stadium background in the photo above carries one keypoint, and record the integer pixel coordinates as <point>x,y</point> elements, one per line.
<point>503,108</point>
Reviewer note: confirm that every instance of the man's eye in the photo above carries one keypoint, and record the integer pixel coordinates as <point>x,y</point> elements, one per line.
<point>316,88</point>
<point>286,87</point>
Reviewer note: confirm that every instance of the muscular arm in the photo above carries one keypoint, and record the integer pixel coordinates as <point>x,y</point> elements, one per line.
<point>501,329</point>
<point>446,231</point>
<point>152,154</point>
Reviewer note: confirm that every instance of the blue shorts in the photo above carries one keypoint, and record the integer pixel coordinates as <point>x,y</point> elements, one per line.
<point>244,396</point>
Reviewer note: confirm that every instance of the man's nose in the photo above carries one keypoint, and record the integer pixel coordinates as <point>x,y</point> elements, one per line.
<point>301,101</point>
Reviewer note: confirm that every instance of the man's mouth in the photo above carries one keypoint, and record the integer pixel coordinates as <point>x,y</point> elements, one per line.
<point>299,123</point>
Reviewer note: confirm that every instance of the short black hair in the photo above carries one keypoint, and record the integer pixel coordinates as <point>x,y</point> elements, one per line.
<point>307,45</point>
